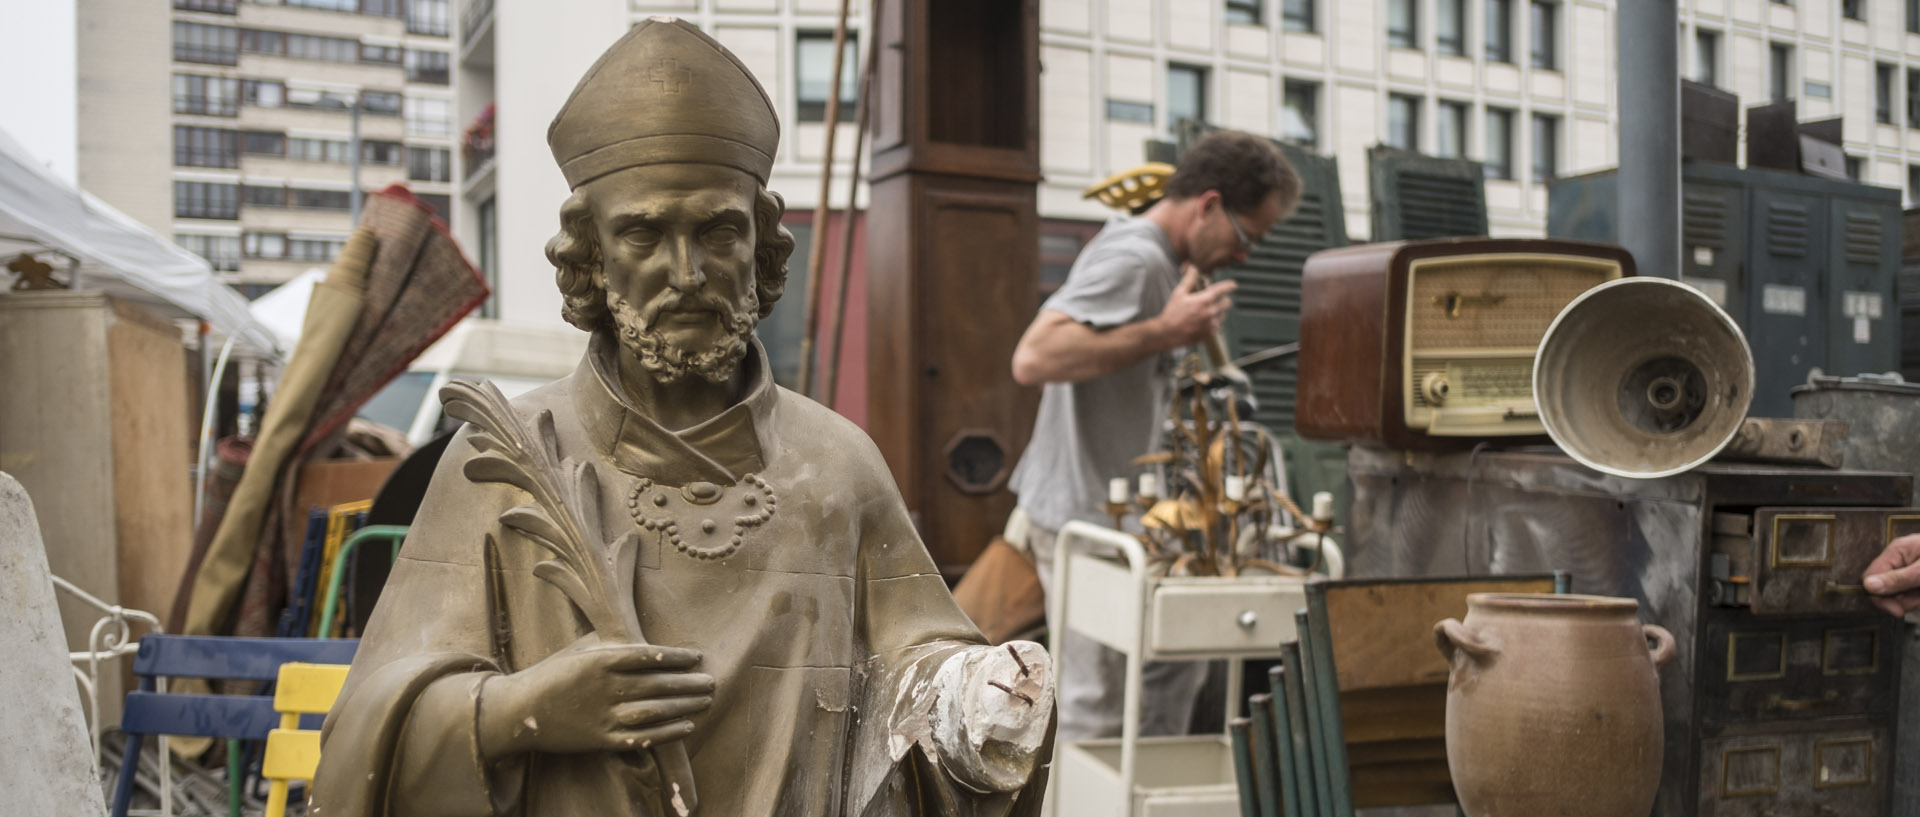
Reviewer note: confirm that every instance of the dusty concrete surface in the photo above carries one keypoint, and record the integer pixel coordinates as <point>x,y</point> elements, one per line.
<point>48,765</point>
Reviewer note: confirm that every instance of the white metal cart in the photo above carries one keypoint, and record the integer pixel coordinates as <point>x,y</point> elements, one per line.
<point>1149,618</point>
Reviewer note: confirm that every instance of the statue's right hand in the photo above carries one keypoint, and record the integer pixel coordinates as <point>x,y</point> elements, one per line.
<point>593,697</point>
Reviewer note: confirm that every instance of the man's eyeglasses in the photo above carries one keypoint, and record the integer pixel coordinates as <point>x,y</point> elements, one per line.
<point>1239,234</point>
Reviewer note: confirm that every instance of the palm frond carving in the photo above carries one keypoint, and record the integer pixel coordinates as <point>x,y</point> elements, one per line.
<point>595,572</point>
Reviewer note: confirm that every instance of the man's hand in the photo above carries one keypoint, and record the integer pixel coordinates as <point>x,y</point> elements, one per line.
<point>593,697</point>
<point>1894,578</point>
<point>1193,315</point>
<point>992,714</point>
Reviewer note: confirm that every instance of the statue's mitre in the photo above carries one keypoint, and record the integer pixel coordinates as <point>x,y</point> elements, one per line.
<point>665,93</point>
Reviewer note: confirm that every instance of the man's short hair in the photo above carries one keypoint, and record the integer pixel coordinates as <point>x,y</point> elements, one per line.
<point>1246,169</point>
<point>575,253</point>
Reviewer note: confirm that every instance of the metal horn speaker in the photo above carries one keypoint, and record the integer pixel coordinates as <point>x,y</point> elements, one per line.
<point>1643,378</point>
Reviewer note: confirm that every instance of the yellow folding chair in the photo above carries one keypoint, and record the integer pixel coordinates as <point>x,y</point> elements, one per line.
<point>293,753</point>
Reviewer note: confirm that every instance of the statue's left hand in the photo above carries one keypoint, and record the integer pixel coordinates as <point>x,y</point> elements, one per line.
<point>992,714</point>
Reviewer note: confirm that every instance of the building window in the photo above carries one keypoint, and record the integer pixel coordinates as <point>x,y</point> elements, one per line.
<point>256,195</point>
<point>380,103</point>
<point>263,143</point>
<point>427,66</point>
<point>1883,93</point>
<point>376,152</point>
<point>380,8</point>
<point>1499,162</point>
<point>1855,167</point>
<point>206,96</point>
<point>1913,184</point>
<point>321,98</point>
<point>254,41</point>
<point>1245,12</point>
<point>427,17</point>
<point>1913,98</point>
<point>208,6</point>
<point>429,164</point>
<point>1500,30</point>
<point>317,150</point>
<point>1300,113</point>
<point>264,93</point>
<point>1297,15</point>
<point>264,245</point>
<point>205,147</point>
<point>198,42</point>
<point>381,54</point>
<point>1780,71</point>
<point>1403,122</point>
<point>813,73</point>
<point>1853,9</point>
<point>1450,129</point>
<point>1546,35</point>
<point>1403,24</point>
<point>1120,110</point>
<point>314,249</point>
<point>1186,93</point>
<point>319,199</point>
<point>206,200</point>
<point>1450,27</point>
<point>1913,16</point>
<point>327,49</point>
<point>325,5</point>
<point>487,215</point>
<point>429,117</point>
<point>221,251</point>
<point>1706,56</point>
<point>1546,147</point>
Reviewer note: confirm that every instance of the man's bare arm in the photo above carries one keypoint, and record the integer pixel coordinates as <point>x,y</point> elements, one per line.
<point>1058,349</point>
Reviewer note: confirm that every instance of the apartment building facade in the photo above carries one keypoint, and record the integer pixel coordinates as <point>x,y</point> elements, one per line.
<point>1526,87</point>
<point>258,102</point>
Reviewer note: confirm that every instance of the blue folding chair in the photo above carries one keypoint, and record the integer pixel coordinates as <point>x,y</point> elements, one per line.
<point>234,717</point>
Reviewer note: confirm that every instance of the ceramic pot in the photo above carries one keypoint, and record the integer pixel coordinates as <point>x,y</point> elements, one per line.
<point>1553,705</point>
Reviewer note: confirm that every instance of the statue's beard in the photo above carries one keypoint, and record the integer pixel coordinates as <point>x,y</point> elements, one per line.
<point>668,361</point>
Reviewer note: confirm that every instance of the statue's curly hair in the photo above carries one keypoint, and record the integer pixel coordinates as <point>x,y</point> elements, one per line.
<point>575,253</point>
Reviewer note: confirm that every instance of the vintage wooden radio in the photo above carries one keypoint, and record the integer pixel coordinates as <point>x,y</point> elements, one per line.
<point>1430,344</point>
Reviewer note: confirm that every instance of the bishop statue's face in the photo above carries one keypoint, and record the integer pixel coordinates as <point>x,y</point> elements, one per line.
<point>677,248</point>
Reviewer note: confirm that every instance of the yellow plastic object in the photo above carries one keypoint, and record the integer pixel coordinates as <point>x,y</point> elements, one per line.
<point>1131,189</point>
<point>339,526</point>
<point>294,753</point>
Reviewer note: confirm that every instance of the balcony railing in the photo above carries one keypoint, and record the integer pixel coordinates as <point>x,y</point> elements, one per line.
<point>478,13</point>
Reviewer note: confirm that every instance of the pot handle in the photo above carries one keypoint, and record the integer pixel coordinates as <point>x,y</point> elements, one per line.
<point>1660,642</point>
<point>1451,636</point>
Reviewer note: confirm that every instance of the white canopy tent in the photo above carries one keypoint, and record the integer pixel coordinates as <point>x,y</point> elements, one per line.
<point>44,215</point>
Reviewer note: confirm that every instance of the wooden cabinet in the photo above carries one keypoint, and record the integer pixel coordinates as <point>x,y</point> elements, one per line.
<point>95,423</point>
<point>953,259</point>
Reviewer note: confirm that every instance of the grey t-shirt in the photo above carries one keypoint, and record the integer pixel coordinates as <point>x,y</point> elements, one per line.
<point>1089,432</point>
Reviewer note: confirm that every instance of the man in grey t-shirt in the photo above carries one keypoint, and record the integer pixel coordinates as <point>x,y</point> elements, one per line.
<point>1106,346</point>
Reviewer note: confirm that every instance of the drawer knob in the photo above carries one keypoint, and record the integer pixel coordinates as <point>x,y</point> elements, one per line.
<point>1248,619</point>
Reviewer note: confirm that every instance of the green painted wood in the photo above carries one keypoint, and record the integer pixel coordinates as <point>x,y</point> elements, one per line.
<point>1317,647</point>
<point>1243,766</point>
<point>1292,697</point>
<point>1291,804</point>
<point>1417,196</point>
<point>1266,770</point>
<point>1316,709</point>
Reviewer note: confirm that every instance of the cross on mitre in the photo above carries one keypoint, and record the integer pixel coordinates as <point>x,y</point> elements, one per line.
<point>670,75</point>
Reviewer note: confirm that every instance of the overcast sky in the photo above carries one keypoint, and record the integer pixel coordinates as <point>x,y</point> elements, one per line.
<point>37,79</point>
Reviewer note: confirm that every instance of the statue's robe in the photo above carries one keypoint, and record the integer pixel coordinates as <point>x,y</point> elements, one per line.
<point>823,631</point>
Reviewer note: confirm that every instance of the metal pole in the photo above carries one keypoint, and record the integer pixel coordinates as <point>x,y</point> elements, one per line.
<point>353,147</point>
<point>817,250</point>
<point>1649,94</point>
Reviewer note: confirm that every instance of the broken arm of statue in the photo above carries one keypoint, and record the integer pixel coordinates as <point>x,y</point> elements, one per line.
<point>991,716</point>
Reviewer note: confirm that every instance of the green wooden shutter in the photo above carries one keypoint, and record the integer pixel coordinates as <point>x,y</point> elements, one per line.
<point>1417,196</point>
